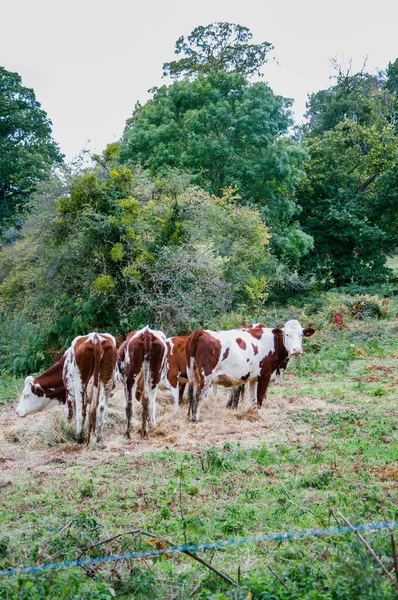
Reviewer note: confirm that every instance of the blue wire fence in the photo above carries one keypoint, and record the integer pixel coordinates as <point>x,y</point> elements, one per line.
<point>196,547</point>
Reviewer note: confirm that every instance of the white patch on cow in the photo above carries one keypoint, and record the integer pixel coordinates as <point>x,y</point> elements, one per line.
<point>30,403</point>
<point>90,338</point>
<point>235,365</point>
<point>170,345</point>
<point>157,333</point>
<point>252,394</point>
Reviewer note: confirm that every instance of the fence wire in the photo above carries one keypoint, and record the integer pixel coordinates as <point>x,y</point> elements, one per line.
<point>196,547</point>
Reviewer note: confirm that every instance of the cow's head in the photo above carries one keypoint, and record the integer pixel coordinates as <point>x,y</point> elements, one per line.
<point>292,334</point>
<point>33,399</point>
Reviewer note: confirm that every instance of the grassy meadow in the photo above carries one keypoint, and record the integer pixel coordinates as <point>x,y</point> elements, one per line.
<point>327,441</point>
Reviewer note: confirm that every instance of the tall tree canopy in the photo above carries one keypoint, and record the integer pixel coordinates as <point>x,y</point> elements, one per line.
<point>226,133</point>
<point>348,198</point>
<point>217,47</point>
<point>27,151</point>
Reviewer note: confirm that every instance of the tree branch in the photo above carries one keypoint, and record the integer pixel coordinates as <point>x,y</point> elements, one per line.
<point>365,184</point>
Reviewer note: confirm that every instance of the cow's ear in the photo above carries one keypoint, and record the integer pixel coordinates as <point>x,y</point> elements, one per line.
<point>308,332</point>
<point>38,390</point>
<point>278,332</point>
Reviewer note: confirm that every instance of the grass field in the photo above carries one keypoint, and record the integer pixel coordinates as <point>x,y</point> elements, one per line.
<point>327,441</point>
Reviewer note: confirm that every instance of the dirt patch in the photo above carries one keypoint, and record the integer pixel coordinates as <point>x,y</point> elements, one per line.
<point>45,441</point>
<point>389,472</point>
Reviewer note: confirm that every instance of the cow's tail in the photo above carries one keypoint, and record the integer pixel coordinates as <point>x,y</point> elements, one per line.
<point>121,362</point>
<point>191,348</point>
<point>147,358</point>
<point>98,352</point>
<point>147,375</point>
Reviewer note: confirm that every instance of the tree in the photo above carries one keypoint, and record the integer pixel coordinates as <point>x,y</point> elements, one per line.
<point>348,196</point>
<point>360,97</point>
<point>226,133</point>
<point>392,77</point>
<point>109,249</point>
<point>343,209</point>
<point>217,47</point>
<point>27,151</point>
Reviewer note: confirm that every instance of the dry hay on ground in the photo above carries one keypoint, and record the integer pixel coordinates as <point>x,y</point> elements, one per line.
<point>47,438</point>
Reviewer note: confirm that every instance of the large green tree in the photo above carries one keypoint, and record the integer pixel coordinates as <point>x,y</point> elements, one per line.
<point>359,97</point>
<point>27,150</point>
<point>349,203</point>
<point>226,133</point>
<point>217,47</point>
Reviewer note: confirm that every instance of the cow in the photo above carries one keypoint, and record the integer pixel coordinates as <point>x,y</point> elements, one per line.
<point>239,356</point>
<point>237,392</point>
<point>86,374</point>
<point>176,377</point>
<point>141,362</point>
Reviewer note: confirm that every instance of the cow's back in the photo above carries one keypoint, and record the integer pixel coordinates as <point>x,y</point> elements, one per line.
<point>85,348</point>
<point>176,354</point>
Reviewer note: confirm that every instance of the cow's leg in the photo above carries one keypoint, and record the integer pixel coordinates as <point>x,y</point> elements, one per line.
<point>70,407</point>
<point>80,400</point>
<point>191,397</point>
<point>202,393</point>
<point>79,420</point>
<point>262,387</point>
<point>130,396</point>
<point>84,411</point>
<point>252,393</point>
<point>182,386</point>
<point>172,380</point>
<point>104,393</point>
<point>213,392</point>
<point>175,394</point>
<point>145,415</point>
<point>152,406</point>
<point>235,393</point>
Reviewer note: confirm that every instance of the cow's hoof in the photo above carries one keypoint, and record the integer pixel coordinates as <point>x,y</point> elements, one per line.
<point>195,420</point>
<point>79,439</point>
<point>127,435</point>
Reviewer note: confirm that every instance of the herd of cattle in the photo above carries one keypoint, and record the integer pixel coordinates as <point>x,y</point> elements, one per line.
<point>88,372</point>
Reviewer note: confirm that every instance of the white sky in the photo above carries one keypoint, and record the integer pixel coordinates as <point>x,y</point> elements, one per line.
<point>89,61</point>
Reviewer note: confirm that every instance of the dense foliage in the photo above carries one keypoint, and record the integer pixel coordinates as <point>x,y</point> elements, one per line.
<point>209,207</point>
<point>27,151</point>
<point>348,195</point>
<point>226,133</point>
<point>121,251</point>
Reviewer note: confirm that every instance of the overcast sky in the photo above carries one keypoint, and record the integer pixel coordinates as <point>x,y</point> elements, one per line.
<point>89,61</point>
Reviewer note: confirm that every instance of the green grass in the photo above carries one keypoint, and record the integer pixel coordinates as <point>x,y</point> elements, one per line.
<point>344,458</point>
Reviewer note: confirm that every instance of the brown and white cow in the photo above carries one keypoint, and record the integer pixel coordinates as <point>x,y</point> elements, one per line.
<point>238,356</point>
<point>86,374</point>
<point>237,392</point>
<point>142,363</point>
<point>176,377</point>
